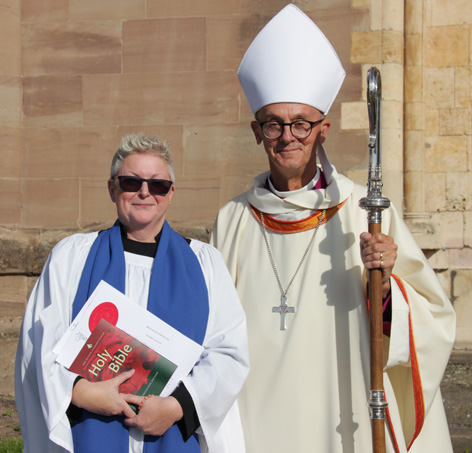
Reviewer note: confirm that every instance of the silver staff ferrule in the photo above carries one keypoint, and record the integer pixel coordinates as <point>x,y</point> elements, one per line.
<point>377,404</point>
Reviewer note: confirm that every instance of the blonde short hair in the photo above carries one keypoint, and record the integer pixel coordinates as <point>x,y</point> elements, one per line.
<point>141,144</point>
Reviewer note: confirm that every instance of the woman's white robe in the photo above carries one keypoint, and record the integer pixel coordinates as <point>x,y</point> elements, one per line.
<point>43,388</point>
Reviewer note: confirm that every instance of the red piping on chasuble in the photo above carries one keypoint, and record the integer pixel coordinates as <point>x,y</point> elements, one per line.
<point>415,369</point>
<point>296,226</point>
<point>392,432</point>
<point>417,386</point>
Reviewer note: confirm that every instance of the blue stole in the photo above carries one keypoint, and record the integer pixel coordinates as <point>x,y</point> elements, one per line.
<point>177,294</point>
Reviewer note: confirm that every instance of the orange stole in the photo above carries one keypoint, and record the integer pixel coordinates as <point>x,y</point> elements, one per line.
<point>296,226</point>
<point>417,385</point>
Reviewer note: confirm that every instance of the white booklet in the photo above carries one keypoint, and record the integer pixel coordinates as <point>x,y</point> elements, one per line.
<point>108,303</point>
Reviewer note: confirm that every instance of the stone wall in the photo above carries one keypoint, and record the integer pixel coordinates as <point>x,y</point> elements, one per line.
<point>438,181</point>
<point>76,75</point>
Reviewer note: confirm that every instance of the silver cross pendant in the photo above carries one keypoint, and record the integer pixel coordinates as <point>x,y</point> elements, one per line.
<point>283,309</point>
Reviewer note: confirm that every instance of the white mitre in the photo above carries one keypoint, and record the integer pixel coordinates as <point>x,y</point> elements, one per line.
<point>291,60</point>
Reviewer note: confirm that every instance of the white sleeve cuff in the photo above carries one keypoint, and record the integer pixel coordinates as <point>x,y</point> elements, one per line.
<point>399,348</point>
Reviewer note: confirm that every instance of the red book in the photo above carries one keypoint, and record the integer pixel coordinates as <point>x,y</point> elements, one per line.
<point>109,351</point>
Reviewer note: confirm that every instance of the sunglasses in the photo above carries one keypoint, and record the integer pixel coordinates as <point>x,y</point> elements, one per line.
<point>134,183</point>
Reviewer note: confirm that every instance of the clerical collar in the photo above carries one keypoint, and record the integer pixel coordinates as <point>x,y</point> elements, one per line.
<point>315,183</point>
<point>140,248</point>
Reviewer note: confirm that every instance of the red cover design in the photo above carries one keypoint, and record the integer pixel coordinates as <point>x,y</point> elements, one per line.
<point>109,351</point>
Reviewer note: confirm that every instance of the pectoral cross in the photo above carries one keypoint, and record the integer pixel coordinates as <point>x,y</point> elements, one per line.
<point>283,309</point>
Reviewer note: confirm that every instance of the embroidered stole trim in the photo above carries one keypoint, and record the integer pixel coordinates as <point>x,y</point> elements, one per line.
<point>296,226</point>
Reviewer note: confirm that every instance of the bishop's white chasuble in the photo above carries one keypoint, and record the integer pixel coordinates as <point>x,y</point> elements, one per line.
<point>308,386</point>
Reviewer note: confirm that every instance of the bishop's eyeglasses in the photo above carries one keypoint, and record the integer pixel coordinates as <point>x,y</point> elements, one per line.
<point>300,129</point>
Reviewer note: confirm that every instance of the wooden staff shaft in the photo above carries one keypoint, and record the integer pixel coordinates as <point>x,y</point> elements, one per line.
<point>376,350</point>
<point>374,203</point>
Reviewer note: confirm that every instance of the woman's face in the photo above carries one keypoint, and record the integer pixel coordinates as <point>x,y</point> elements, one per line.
<point>141,213</point>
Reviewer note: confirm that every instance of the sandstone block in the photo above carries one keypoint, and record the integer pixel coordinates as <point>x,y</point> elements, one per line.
<point>446,154</point>
<point>10,51</point>
<point>354,115</point>
<point>52,100</point>
<point>414,116</point>
<point>435,192</point>
<point>413,50</point>
<point>347,149</point>
<point>376,16</point>
<point>94,10</point>
<point>425,229</point>
<point>337,21</point>
<point>413,17</point>
<point>44,10</point>
<point>231,149</point>
<point>361,3</point>
<point>455,121</point>
<point>446,46</point>
<point>10,152</point>
<point>463,307</point>
<point>31,281</point>
<point>10,108</point>
<point>392,150</point>
<point>468,229</point>
<point>458,190</point>
<point>192,8</point>
<point>413,149</point>
<point>366,47</point>
<point>461,258</point>
<point>393,187</point>
<point>228,37</point>
<point>68,152</point>
<point>392,15</point>
<point>413,84</point>
<point>25,251</point>
<point>11,10</point>
<point>96,207</point>
<point>451,230</point>
<point>10,211</point>
<point>392,115</point>
<point>431,119</point>
<point>414,196</point>
<point>462,87</point>
<point>445,13</point>
<point>245,112</point>
<point>13,289</point>
<point>146,45</point>
<point>165,98</point>
<point>392,47</point>
<point>438,86</point>
<point>86,47</point>
<point>197,202</point>
<point>392,82</point>
<point>50,203</point>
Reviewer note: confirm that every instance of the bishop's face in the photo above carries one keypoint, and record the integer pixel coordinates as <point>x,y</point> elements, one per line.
<point>292,161</point>
<point>141,213</point>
